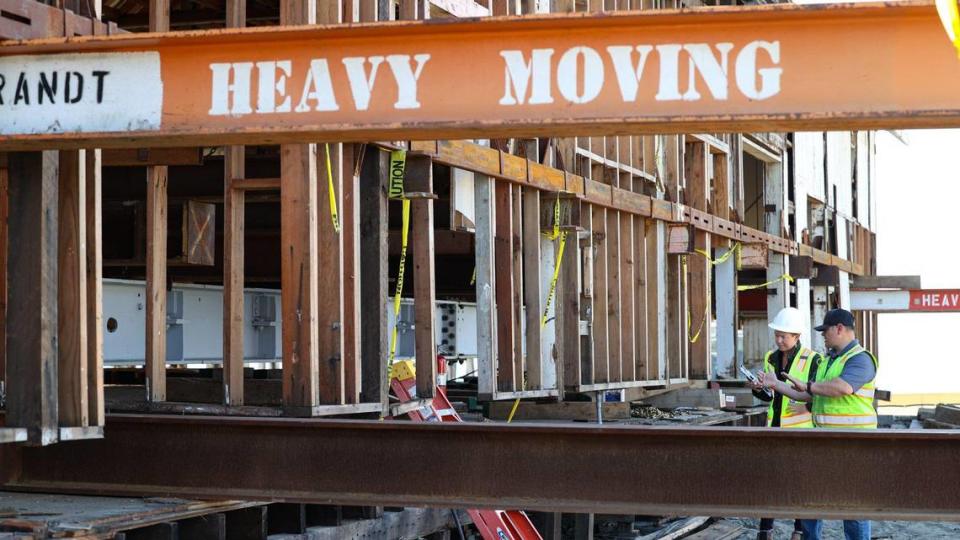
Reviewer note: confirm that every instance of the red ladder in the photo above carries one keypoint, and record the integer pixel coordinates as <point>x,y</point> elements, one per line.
<point>492,524</point>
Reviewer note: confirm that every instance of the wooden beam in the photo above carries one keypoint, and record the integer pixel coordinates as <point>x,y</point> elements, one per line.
<point>32,295</point>
<point>601,349</point>
<point>330,261</point>
<point>886,282</point>
<point>503,252</point>
<point>141,157</point>
<point>613,294</point>
<point>516,261</point>
<point>698,276</point>
<point>351,272</point>
<point>628,263</point>
<point>374,224</point>
<point>159,15</point>
<point>156,286</point>
<point>419,178</point>
<point>233,272</point>
<point>4,261</point>
<point>94,262</point>
<point>487,314</point>
<point>236,13</point>
<point>72,291</point>
<point>532,289</point>
<point>641,329</point>
<point>298,280</point>
<point>255,184</point>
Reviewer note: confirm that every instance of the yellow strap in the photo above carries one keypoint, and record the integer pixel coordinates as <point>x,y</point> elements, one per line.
<point>785,276</point>
<point>950,17</point>
<point>333,195</point>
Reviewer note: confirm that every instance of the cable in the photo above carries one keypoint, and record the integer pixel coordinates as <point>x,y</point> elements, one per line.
<point>459,525</point>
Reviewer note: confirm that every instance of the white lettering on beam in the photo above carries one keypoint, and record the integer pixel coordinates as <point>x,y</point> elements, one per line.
<point>231,84</point>
<point>533,73</point>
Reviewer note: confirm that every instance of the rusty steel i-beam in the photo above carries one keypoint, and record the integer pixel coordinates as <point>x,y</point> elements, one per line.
<point>887,474</point>
<point>847,66</point>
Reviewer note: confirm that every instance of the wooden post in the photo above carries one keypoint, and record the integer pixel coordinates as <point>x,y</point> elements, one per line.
<point>233,275</point>
<point>32,295</point>
<point>601,350</point>
<point>487,314</point>
<point>532,292</point>
<point>568,313</point>
<point>298,280</point>
<point>4,260</point>
<point>698,278</point>
<point>72,291</point>
<point>612,292</point>
<point>419,179</point>
<point>516,261</point>
<point>351,273</point>
<point>156,314</point>
<point>506,324</point>
<point>628,265</point>
<point>374,229</point>
<point>642,335</point>
<point>94,262</point>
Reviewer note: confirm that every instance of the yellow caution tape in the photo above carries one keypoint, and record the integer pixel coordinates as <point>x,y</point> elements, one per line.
<point>398,162</point>
<point>473,278</point>
<point>398,159</point>
<point>553,280</point>
<point>723,258</point>
<point>333,195</point>
<point>950,17</point>
<point>706,312</point>
<point>556,219</point>
<point>785,276</point>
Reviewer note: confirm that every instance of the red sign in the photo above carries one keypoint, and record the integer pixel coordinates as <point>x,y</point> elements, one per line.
<point>935,300</point>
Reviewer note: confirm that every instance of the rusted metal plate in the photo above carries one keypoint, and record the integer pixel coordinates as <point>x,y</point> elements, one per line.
<point>646,470</point>
<point>757,68</point>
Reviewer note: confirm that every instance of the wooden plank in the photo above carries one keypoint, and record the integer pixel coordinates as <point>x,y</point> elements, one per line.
<point>487,314</point>
<point>236,13</point>
<point>503,251</point>
<point>568,315</point>
<point>374,224</point>
<point>532,289</point>
<point>886,282</point>
<point>419,177</point>
<point>141,157</point>
<point>721,186</point>
<point>351,273</point>
<point>628,264</point>
<point>516,233</point>
<point>255,184</point>
<point>298,280</point>
<point>613,293</point>
<point>156,286</point>
<point>642,336</point>
<point>159,18</point>
<point>72,389</point>
<point>330,254</point>
<point>94,262</point>
<point>676,319</point>
<point>698,275</point>
<point>32,295</point>
<point>234,166</point>
<point>601,350</point>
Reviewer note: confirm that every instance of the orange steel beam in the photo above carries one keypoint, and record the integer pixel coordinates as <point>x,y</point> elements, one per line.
<point>714,69</point>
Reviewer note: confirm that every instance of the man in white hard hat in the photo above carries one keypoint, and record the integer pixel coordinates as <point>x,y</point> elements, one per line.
<point>790,357</point>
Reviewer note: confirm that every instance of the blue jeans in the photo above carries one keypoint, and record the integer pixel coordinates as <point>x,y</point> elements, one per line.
<point>852,530</point>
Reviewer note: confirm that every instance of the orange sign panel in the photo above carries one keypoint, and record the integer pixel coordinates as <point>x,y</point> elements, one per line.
<point>718,69</point>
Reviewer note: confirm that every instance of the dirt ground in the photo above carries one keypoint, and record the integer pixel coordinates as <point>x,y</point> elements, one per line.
<point>892,530</point>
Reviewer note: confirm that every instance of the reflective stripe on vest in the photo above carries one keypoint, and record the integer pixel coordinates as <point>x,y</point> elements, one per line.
<point>850,411</point>
<point>799,368</point>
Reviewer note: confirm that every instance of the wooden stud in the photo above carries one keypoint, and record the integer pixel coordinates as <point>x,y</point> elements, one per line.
<point>156,287</point>
<point>487,314</point>
<point>568,314</point>
<point>601,350</point>
<point>613,294</point>
<point>532,290</point>
<point>159,18</point>
<point>72,291</point>
<point>233,275</point>
<point>641,310</point>
<point>698,276</point>
<point>298,280</point>
<point>517,263</point>
<point>419,177</point>
<point>503,251</point>
<point>373,218</point>
<point>4,260</point>
<point>628,263</point>
<point>351,273</point>
<point>32,295</point>
<point>94,262</point>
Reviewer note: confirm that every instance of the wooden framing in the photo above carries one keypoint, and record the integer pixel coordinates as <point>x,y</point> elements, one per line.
<point>419,182</point>
<point>156,315</point>
<point>72,312</point>
<point>698,277</point>
<point>233,272</point>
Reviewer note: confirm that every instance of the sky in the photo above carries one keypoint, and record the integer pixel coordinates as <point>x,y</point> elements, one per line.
<point>918,188</point>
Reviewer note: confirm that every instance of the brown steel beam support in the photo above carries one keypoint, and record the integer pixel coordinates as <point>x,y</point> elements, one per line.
<point>290,460</point>
<point>31,329</point>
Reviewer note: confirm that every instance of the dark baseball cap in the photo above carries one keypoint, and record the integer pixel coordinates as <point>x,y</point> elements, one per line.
<point>835,317</point>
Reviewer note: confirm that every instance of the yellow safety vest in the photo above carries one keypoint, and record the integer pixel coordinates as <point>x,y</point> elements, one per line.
<point>851,411</point>
<point>799,368</point>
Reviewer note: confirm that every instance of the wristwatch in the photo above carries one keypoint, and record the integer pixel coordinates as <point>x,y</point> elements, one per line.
<point>809,391</point>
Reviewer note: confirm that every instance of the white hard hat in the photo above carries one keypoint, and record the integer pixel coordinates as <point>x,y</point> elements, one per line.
<point>790,320</point>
